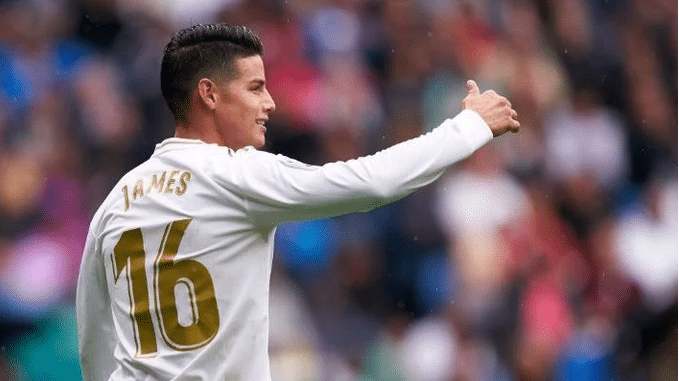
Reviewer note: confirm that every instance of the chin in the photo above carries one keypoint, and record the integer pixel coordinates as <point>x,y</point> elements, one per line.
<point>260,143</point>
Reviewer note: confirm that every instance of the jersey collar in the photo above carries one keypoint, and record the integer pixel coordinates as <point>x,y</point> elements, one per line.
<point>179,143</point>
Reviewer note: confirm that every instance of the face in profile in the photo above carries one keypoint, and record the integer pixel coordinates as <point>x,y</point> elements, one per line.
<point>244,105</point>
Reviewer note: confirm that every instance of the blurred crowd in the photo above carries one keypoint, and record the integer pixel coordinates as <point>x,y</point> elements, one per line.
<point>550,254</point>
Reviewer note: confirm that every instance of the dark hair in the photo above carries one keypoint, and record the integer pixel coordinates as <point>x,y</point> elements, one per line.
<point>202,51</point>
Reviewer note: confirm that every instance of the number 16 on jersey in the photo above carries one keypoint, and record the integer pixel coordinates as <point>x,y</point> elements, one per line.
<point>168,273</point>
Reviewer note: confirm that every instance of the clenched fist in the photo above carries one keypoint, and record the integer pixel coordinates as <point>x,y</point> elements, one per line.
<point>495,109</point>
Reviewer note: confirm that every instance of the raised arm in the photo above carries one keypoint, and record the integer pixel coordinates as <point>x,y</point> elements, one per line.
<point>279,189</point>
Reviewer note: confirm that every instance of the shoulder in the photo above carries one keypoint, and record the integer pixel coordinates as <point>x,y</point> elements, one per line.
<point>114,202</point>
<point>102,214</point>
<point>260,159</point>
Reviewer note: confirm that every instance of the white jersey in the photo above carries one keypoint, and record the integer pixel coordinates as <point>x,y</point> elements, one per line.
<point>174,280</point>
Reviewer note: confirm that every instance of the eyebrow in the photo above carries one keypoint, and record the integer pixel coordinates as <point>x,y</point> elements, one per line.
<point>258,82</point>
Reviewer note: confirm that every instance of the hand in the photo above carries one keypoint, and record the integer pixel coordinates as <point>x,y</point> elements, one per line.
<point>493,108</point>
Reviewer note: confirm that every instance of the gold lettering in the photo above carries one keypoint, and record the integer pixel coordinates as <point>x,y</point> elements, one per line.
<point>175,184</point>
<point>171,181</point>
<point>157,183</point>
<point>183,183</point>
<point>138,190</point>
<point>127,198</point>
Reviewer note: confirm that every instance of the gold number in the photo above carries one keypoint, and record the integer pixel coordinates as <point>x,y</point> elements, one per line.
<point>129,253</point>
<point>167,274</point>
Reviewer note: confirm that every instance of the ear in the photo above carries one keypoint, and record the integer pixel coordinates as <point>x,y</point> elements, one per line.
<point>207,93</point>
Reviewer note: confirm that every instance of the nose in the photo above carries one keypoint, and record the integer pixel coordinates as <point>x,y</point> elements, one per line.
<point>269,104</point>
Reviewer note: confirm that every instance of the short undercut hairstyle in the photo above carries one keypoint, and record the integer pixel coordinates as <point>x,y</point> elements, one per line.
<point>202,51</point>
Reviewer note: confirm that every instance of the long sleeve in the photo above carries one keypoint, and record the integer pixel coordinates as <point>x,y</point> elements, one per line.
<point>281,189</point>
<point>96,333</point>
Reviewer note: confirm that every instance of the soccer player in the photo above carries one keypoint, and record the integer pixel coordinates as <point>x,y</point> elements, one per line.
<point>174,280</point>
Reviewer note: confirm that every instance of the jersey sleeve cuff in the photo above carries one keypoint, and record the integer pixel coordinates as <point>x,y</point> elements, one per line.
<point>474,130</point>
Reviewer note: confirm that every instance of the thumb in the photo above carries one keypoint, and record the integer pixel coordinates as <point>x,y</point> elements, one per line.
<point>472,88</point>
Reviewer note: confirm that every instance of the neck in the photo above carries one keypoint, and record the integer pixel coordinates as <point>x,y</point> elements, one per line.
<point>197,130</point>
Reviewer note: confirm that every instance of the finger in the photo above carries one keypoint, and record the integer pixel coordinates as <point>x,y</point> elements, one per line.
<point>472,88</point>
<point>515,126</point>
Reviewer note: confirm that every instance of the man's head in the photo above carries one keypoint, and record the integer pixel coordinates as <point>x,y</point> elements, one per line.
<point>217,71</point>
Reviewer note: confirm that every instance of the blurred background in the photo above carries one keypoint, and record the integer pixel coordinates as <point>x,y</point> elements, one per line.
<point>548,255</point>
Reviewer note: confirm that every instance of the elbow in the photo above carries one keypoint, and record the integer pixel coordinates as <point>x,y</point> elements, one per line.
<point>382,193</point>
<point>380,190</point>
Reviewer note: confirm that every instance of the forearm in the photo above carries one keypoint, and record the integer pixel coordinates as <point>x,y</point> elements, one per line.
<point>410,165</point>
<point>284,193</point>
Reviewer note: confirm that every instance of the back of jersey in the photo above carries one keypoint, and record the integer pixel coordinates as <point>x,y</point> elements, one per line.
<point>186,270</point>
<point>175,275</point>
